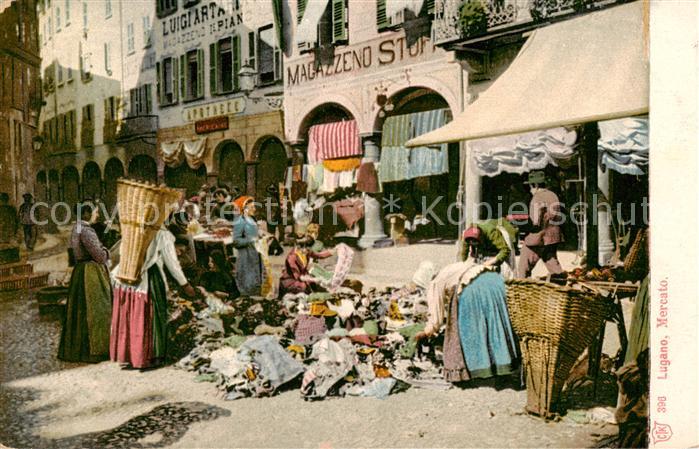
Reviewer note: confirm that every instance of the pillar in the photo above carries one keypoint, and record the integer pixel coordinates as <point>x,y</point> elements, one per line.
<point>251,177</point>
<point>590,136</point>
<point>470,182</point>
<point>604,219</point>
<point>373,219</point>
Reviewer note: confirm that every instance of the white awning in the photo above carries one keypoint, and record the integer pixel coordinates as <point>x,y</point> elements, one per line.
<point>590,68</point>
<point>307,30</point>
<point>623,145</point>
<point>395,7</point>
<point>522,153</point>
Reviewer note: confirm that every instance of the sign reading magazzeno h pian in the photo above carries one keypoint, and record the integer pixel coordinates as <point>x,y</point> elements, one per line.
<point>372,56</point>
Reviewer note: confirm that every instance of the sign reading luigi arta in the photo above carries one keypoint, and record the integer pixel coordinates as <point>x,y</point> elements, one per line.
<point>212,124</point>
<point>376,54</point>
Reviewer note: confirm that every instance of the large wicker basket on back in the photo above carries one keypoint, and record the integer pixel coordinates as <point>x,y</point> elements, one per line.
<point>554,325</point>
<point>142,210</point>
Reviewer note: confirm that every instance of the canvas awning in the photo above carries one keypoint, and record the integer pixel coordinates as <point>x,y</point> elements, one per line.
<point>623,145</point>
<point>333,141</point>
<point>175,152</point>
<point>590,68</point>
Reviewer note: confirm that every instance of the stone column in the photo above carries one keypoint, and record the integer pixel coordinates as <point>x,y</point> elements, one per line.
<point>251,167</point>
<point>373,219</point>
<point>604,218</point>
<point>471,185</point>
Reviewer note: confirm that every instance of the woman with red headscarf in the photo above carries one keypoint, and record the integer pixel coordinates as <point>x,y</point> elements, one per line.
<point>249,269</point>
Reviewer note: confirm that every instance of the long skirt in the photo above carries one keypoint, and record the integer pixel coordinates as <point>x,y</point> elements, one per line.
<point>85,334</point>
<point>248,272</point>
<point>487,339</point>
<point>139,323</point>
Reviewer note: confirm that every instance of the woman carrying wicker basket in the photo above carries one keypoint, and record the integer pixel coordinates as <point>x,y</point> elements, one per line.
<point>85,334</point>
<point>478,339</point>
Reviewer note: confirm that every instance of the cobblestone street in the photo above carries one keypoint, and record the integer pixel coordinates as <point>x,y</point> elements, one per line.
<point>47,403</point>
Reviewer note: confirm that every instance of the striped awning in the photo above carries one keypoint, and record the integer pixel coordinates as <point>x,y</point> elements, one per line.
<point>333,141</point>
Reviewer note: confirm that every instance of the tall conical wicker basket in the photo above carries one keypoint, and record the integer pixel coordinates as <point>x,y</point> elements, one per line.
<point>554,325</point>
<point>143,208</point>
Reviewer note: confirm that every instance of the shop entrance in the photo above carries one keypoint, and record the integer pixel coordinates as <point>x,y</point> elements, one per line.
<point>231,166</point>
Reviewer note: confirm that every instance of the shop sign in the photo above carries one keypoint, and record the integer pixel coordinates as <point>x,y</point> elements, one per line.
<point>209,18</point>
<point>210,125</point>
<point>377,54</point>
<point>205,111</point>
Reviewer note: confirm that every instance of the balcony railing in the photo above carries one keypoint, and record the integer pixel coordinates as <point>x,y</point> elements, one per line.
<point>138,126</point>
<point>501,15</point>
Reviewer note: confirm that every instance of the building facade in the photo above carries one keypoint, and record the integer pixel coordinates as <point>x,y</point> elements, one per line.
<point>20,96</point>
<point>220,91</point>
<point>100,113</point>
<point>375,63</point>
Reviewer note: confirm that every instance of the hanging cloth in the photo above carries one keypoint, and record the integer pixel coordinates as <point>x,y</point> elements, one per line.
<point>623,145</point>
<point>344,164</point>
<point>194,151</point>
<point>171,153</point>
<point>333,141</point>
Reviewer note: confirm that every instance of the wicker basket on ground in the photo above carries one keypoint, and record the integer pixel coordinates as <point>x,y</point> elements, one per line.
<point>554,325</point>
<point>142,210</point>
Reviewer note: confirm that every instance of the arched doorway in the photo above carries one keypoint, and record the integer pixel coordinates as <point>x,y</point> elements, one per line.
<point>92,181</point>
<point>325,113</point>
<point>416,194</point>
<point>143,168</point>
<point>183,177</point>
<point>54,187</point>
<point>41,188</point>
<point>71,191</point>
<point>271,167</point>
<point>232,170</point>
<point>113,170</point>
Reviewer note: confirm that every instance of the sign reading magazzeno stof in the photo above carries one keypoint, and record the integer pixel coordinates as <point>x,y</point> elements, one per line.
<point>205,111</point>
<point>375,55</point>
<point>207,19</point>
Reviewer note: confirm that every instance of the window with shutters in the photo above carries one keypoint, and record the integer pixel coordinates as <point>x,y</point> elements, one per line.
<point>107,9</point>
<point>222,66</point>
<point>382,22</point>
<point>108,58</point>
<point>84,15</point>
<point>269,56</point>
<point>167,81</point>
<point>59,74</point>
<point>67,12</point>
<point>300,9</point>
<point>58,20</point>
<point>69,74</point>
<point>339,21</point>
<point>85,64</point>
<point>130,39</point>
<point>252,53</point>
<point>193,80</point>
<point>147,32</point>
<point>165,7</point>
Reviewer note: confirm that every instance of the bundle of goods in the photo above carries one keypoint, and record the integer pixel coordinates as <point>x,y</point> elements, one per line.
<point>554,324</point>
<point>606,274</point>
<point>143,208</point>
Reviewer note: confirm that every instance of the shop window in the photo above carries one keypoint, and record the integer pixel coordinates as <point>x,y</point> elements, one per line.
<point>130,40</point>
<point>224,64</point>
<point>167,86</point>
<point>192,75</point>
<point>165,7</point>
<point>269,56</point>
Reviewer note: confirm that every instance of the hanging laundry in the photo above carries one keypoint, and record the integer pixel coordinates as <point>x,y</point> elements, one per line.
<point>345,164</point>
<point>333,141</point>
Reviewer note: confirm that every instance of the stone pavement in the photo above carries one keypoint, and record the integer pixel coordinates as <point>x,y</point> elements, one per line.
<point>47,403</point>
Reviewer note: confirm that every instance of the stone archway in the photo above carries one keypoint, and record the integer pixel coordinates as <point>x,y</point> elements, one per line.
<point>143,168</point>
<point>113,170</point>
<point>70,179</point>
<point>183,177</point>
<point>272,163</point>
<point>232,169</point>
<point>92,181</point>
